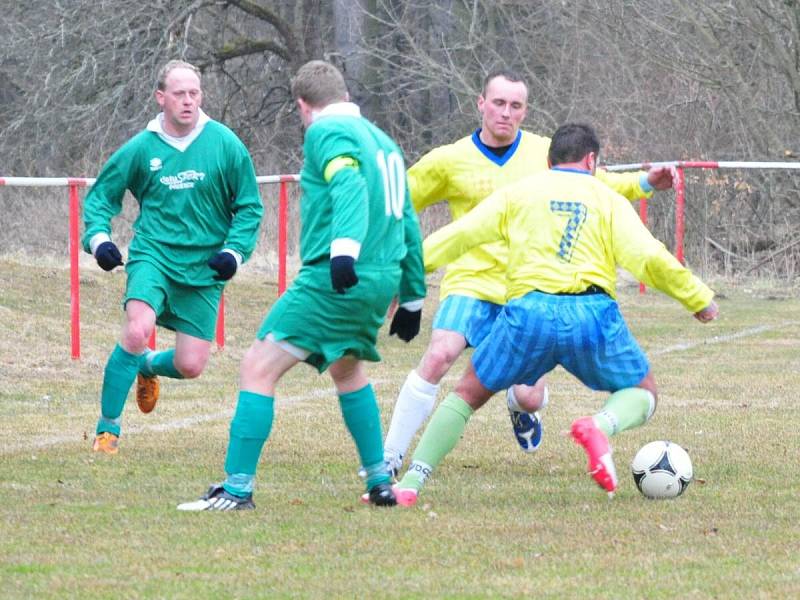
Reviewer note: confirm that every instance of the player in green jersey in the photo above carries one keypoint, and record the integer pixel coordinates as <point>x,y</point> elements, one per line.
<point>199,214</point>
<point>360,246</point>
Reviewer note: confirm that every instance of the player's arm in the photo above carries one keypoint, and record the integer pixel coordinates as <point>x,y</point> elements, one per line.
<point>484,223</point>
<point>246,211</point>
<point>639,184</point>
<point>348,192</point>
<point>427,180</point>
<point>101,205</point>
<point>645,257</point>
<point>411,294</point>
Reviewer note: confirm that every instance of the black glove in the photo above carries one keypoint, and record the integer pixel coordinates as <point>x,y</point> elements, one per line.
<point>107,256</point>
<point>343,273</point>
<point>406,323</point>
<point>223,263</point>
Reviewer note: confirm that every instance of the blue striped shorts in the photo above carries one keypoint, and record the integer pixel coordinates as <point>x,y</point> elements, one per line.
<point>470,317</point>
<point>584,334</point>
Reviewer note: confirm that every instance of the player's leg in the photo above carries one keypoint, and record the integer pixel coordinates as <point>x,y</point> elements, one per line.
<point>525,403</point>
<point>362,419</point>
<point>605,356</point>
<point>443,432</point>
<point>192,313</point>
<point>629,407</point>
<point>516,350</point>
<point>417,396</point>
<point>262,366</point>
<point>120,373</point>
<point>460,321</point>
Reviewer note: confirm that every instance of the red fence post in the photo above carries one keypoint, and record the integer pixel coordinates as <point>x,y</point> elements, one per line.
<point>643,217</point>
<point>283,205</point>
<point>680,203</point>
<point>75,283</point>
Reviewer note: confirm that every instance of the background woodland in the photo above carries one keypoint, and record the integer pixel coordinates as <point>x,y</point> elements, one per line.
<point>660,80</point>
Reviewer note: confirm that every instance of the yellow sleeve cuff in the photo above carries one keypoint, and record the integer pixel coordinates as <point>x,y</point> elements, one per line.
<point>337,164</point>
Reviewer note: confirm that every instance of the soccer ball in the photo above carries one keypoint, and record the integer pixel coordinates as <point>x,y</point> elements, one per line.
<point>661,469</point>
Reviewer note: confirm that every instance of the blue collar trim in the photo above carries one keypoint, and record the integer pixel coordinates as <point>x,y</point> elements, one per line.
<point>498,160</point>
<point>569,170</point>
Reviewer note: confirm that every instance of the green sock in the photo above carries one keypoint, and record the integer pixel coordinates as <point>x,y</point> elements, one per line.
<point>159,363</point>
<point>625,409</point>
<point>250,428</point>
<point>118,377</point>
<point>363,420</point>
<point>441,435</point>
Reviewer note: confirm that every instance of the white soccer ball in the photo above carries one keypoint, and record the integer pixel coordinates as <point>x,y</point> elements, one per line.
<point>662,469</point>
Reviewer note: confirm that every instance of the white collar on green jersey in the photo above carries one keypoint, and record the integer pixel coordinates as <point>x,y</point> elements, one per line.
<point>337,109</point>
<point>179,143</point>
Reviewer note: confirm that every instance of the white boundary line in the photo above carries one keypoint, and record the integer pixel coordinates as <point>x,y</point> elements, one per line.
<point>187,422</point>
<point>182,423</point>
<point>718,339</point>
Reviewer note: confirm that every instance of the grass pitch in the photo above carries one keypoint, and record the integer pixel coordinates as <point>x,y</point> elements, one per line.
<point>492,522</point>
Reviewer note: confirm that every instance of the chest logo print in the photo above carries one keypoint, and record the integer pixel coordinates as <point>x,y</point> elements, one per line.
<point>185,180</point>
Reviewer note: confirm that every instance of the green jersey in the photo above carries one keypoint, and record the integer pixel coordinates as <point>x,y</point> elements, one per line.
<point>193,201</point>
<point>362,209</point>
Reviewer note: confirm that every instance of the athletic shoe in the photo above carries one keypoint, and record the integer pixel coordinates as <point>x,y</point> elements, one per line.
<point>381,494</point>
<point>106,442</point>
<point>406,496</point>
<point>217,498</point>
<point>595,443</point>
<point>146,392</point>
<point>393,464</point>
<point>527,429</point>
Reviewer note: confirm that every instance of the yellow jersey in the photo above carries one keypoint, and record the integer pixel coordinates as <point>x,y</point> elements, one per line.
<point>565,231</point>
<point>463,174</point>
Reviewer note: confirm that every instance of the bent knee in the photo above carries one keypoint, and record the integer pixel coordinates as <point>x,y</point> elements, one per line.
<point>436,363</point>
<point>191,367</point>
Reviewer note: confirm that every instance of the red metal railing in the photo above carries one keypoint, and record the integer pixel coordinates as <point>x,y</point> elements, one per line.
<point>74,183</point>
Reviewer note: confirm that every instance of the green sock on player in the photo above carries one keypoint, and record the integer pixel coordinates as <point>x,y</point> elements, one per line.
<point>363,420</point>
<point>625,409</point>
<point>118,377</point>
<point>250,428</point>
<point>441,435</point>
<point>159,363</point>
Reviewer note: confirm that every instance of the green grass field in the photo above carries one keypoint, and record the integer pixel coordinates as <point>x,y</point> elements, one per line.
<point>493,522</point>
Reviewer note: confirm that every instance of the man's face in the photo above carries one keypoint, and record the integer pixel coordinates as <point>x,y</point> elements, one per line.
<point>503,107</point>
<point>180,100</point>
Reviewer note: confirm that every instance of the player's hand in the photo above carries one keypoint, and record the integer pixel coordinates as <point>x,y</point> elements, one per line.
<point>406,323</point>
<point>343,273</point>
<point>224,263</point>
<point>662,178</point>
<point>108,256</point>
<point>709,313</point>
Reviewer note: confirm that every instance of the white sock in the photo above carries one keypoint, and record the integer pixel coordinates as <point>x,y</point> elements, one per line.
<point>511,399</point>
<point>414,405</point>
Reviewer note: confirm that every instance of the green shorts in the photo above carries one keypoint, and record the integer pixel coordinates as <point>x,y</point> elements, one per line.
<point>190,310</point>
<point>312,316</point>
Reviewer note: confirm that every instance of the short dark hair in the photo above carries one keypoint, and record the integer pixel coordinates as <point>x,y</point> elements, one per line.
<point>319,83</point>
<point>571,142</point>
<point>503,72</point>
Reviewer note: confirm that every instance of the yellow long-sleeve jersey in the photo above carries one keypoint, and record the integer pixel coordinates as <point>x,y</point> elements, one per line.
<point>565,231</point>
<point>465,173</point>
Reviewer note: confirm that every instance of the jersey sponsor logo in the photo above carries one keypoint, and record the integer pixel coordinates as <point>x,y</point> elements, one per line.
<point>185,180</point>
<point>155,164</point>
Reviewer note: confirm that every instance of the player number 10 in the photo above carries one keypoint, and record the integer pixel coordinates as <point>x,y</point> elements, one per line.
<point>394,182</point>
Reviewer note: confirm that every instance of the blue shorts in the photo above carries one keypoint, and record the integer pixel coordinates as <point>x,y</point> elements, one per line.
<point>470,317</point>
<point>584,334</point>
